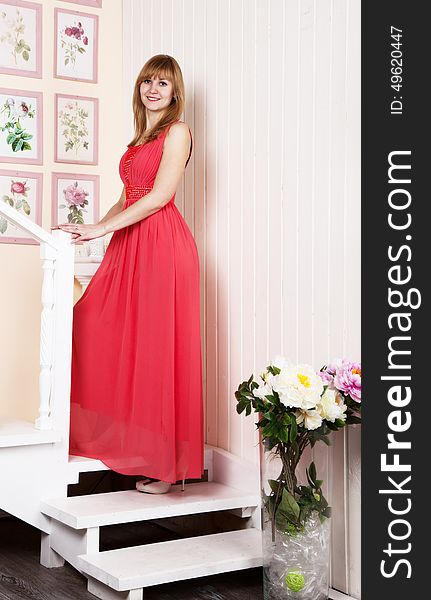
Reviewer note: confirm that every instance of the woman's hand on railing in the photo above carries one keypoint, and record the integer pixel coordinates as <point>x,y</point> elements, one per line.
<point>82,233</point>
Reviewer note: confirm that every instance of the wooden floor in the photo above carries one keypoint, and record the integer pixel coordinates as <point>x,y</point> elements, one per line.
<point>22,577</point>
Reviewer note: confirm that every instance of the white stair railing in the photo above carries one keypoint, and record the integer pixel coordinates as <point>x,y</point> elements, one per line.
<point>57,254</point>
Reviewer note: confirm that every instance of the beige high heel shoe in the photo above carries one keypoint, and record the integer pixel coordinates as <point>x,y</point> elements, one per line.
<point>155,487</point>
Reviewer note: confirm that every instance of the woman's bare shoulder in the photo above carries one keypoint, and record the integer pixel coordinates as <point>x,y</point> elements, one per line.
<point>178,135</point>
<point>179,128</point>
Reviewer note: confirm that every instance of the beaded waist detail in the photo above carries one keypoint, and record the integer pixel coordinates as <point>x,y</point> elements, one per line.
<point>134,192</point>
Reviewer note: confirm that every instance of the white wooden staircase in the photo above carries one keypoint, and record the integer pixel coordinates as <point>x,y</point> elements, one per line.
<point>35,471</point>
<point>125,572</point>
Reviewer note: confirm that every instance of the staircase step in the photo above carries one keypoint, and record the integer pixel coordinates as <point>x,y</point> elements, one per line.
<point>97,510</point>
<point>174,560</point>
<point>17,432</point>
<point>82,464</point>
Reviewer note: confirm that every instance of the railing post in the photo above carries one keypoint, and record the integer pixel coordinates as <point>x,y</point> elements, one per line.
<point>49,256</point>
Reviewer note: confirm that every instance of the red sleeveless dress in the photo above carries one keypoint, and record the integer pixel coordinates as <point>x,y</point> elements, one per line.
<point>136,389</point>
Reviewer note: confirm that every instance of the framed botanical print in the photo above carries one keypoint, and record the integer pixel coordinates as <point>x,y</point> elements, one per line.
<point>21,38</point>
<point>22,191</point>
<point>75,198</point>
<point>95,3</point>
<point>75,45</point>
<point>76,129</point>
<point>21,114</point>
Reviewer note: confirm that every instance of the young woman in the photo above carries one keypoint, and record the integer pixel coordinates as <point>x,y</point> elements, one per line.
<point>136,392</point>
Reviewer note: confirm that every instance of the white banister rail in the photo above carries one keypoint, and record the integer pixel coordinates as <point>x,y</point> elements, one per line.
<point>20,220</point>
<point>57,254</point>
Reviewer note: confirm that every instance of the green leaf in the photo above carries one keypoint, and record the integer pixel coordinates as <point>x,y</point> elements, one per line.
<point>312,472</point>
<point>289,506</point>
<point>240,407</point>
<point>310,481</point>
<point>352,419</point>
<point>269,415</point>
<point>283,434</point>
<point>281,521</point>
<point>293,428</point>
<point>267,430</point>
<point>274,485</point>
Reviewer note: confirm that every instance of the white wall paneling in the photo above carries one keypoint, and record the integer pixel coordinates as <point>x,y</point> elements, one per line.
<point>272,196</point>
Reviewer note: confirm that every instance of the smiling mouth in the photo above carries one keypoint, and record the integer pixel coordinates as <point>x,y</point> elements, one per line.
<point>151,99</point>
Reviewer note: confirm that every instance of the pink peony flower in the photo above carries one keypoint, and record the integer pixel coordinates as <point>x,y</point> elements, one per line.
<point>17,187</point>
<point>68,31</point>
<point>327,377</point>
<point>75,195</point>
<point>347,379</point>
<point>85,40</point>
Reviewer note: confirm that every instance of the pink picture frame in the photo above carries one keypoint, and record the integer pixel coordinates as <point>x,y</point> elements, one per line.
<point>95,3</point>
<point>20,107</point>
<point>69,147</point>
<point>25,53</point>
<point>20,177</point>
<point>83,197</point>
<point>76,54</point>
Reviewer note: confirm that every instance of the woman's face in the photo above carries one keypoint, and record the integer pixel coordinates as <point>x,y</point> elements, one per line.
<point>156,94</point>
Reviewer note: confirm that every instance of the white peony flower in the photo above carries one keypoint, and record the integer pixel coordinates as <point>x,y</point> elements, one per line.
<point>331,406</point>
<point>280,362</point>
<point>298,386</point>
<point>265,388</point>
<point>310,418</point>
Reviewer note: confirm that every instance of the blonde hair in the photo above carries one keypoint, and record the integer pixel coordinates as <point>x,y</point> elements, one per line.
<point>162,66</point>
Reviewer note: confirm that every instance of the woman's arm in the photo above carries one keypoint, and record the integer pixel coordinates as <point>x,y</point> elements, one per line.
<point>116,208</point>
<point>175,152</point>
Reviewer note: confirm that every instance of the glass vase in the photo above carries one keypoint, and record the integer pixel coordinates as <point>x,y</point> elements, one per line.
<point>295,563</point>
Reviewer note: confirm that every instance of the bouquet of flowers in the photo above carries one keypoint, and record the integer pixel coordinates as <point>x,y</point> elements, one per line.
<point>298,407</point>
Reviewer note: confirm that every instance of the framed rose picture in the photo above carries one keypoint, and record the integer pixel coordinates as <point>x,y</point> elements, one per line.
<point>22,191</point>
<point>21,38</point>
<point>75,45</point>
<point>75,198</point>
<point>21,126</point>
<point>95,3</point>
<point>76,129</point>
